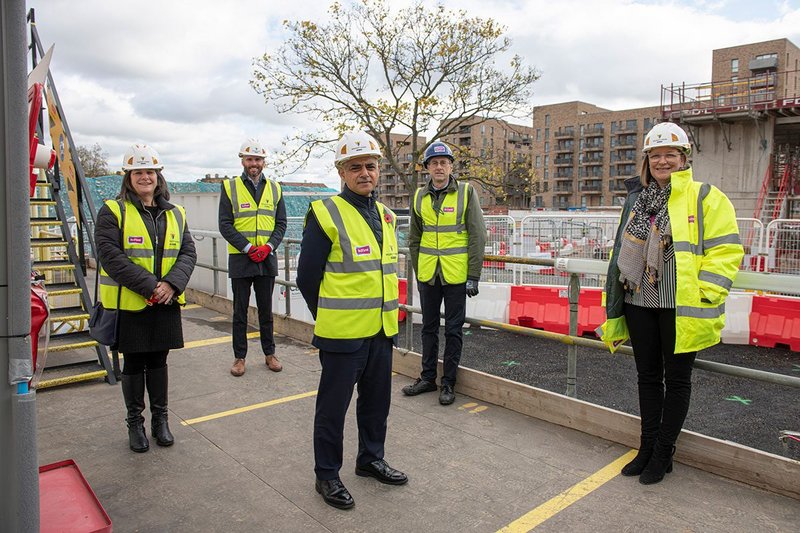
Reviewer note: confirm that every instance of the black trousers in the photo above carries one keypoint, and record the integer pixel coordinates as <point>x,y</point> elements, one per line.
<point>262,285</point>
<point>137,362</point>
<point>455,304</point>
<point>370,368</point>
<point>664,377</point>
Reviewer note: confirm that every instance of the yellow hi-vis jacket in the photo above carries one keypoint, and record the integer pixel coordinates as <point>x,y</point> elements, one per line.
<point>254,221</point>
<point>708,252</point>
<point>358,295</point>
<point>444,235</point>
<point>141,250</point>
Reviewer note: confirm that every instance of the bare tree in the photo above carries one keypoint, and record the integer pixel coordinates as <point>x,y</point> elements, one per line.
<point>418,71</point>
<point>93,160</point>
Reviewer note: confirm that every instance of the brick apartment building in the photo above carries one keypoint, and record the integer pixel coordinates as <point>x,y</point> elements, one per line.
<point>495,156</point>
<point>392,189</point>
<point>582,153</point>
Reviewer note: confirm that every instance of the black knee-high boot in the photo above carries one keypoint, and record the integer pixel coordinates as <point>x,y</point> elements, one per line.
<point>157,384</point>
<point>651,403</point>
<point>133,392</point>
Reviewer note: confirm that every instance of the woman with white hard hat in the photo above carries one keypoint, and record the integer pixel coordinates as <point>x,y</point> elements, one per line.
<point>146,256</point>
<point>675,257</point>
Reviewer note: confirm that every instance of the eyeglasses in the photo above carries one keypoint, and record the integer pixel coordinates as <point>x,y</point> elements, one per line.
<point>669,158</point>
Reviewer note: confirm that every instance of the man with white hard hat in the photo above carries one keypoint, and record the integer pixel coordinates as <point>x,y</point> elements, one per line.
<point>347,274</point>
<point>252,218</point>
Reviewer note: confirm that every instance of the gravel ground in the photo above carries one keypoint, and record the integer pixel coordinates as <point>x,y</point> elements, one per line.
<point>741,410</point>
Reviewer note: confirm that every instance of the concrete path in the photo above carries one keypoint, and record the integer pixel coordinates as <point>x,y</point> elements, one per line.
<point>243,460</point>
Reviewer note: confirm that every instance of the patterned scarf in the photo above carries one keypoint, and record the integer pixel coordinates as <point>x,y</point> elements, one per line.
<point>647,233</point>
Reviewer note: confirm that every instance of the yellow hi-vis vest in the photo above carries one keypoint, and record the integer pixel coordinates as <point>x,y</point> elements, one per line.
<point>705,237</point>
<point>444,235</point>
<point>141,250</point>
<point>255,222</point>
<point>358,295</point>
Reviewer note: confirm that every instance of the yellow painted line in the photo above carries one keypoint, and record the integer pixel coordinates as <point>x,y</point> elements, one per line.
<point>216,340</point>
<point>191,306</point>
<point>248,408</point>
<point>557,504</point>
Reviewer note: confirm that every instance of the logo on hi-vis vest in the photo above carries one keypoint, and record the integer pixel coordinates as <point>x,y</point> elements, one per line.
<point>245,205</point>
<point>135,240</point>
<point>448,209</point>
<point>363,250</point>
<point>691,219</point>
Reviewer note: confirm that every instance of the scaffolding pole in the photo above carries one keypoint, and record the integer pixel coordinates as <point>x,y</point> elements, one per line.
<point>19,479</point>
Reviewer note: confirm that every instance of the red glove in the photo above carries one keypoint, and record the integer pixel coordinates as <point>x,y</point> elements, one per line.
<point>259,253</point>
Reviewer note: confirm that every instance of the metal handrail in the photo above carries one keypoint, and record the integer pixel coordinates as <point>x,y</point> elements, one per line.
<point>782,283</point>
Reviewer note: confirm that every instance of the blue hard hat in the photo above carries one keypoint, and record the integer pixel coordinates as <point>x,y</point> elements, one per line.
<point>437,149</point>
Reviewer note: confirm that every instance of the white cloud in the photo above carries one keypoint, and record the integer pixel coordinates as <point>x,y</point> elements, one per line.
<point>176,74</point>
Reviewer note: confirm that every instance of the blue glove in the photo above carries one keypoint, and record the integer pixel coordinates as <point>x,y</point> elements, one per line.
<point>472,287</point>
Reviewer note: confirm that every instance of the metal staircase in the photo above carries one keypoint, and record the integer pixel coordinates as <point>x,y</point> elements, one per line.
<point>56,257</point>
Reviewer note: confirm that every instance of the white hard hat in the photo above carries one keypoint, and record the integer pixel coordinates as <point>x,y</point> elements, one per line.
<point>141,157</point>
<point>667,134</point>
<point>356,144</point>
<point>252,147</point>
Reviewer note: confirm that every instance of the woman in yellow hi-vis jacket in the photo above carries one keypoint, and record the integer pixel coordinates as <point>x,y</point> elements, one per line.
<point>675,257</point>
<point>146,256</point>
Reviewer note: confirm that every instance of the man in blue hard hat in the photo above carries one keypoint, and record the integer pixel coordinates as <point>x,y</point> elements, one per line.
<point>446,238</point>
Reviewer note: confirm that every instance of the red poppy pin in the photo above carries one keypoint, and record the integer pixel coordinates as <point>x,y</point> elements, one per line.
<point>387,217</point>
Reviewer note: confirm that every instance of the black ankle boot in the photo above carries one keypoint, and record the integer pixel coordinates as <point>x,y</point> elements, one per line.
<point>635,467</point>
<point>157,383</point>
<point>133,393</point>
<point>660,465</point>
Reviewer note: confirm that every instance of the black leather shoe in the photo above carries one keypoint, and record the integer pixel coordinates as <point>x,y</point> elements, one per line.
<point>382,472</point>
<point>447,396</point>
<point>418,387</point>
<point>334,493</point>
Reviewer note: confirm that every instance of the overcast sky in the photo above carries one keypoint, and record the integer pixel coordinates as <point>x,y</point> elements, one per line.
<point>175,73</point>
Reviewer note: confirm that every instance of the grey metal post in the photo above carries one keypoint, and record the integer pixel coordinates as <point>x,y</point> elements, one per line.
<point>215,262</point>
<point>572,349</point>
<point>287,271</point>
<point>409,301</point>
<point>19,478</point>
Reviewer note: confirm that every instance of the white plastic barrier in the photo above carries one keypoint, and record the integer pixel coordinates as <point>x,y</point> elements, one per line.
<point>300,310</point>
<point>491,303</point>
<point>737,318</point>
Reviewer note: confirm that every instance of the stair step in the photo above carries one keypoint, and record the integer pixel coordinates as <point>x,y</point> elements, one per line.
<point>42,202</point>
<point>71,341</point>
<point>62,289</point>
<point>61,264</point>
<point>65,314</point>
<point>48,242</point>
<point>45,221</point>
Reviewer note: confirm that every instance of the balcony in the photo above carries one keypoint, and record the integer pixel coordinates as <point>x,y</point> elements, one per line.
<point>617,186</point>
<point>563,189</point>
<point>561,161</point>
<point>565,147</point>
<point>591,188</point>
<point>593,131</point>
<point>589,161</point>
<point>593,147</point>
<point>517,138</point>
<point>565,134</point>
<point>763,64</point>
<point>564,173</point>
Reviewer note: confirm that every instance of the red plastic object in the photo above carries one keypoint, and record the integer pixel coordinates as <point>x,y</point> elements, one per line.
<point>35,101</point>
<point>67,502</point>
<point>774,321</point>
<point>547,308</point>
<point>39,312</point>
<point>401,286</point>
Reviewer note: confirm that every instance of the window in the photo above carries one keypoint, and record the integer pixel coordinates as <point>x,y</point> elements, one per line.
<point>734,66</point>
<point>547,121</point>
<point>546,172</point>
<point>538,134</point>
<point>547,147</point>
<point>630,124</point>
<point>767,56</point>
<point>547,133</point>
<point>483,129</point>
<point>546,161</point>
<point>538,161</point>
